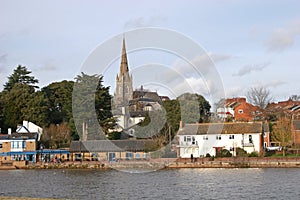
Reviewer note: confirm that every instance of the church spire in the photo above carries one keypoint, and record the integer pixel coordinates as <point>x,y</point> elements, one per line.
<point>124,64</point>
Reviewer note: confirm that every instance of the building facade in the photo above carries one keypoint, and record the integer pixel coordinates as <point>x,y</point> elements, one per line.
<point>198,140</point>
<point>237,109</point>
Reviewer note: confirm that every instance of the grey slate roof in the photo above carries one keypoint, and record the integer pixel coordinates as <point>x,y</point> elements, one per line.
<point>222,128</point>
<point>19,136</point>
<point>110,145</point>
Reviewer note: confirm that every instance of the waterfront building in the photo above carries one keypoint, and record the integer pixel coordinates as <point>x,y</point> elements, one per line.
<point>198,140</point>
<point>110,150</point>
<point>20,145</point>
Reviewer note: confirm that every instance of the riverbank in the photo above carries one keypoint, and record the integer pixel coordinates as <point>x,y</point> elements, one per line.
<point>165,163</point>
<point>23,198</point>
<point>238,162</point>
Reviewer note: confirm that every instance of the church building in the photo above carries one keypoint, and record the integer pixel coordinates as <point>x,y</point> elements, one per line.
<point>128,106</point>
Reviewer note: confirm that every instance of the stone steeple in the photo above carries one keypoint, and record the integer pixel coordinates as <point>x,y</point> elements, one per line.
<point>124,64</point>
<point>124,91</point>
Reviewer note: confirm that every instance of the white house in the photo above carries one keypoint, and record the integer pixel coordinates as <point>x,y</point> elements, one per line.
<point>201,139</point>
<point>29,127</point>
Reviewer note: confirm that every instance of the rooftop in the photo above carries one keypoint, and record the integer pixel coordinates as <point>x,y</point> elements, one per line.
<point>223,128</point>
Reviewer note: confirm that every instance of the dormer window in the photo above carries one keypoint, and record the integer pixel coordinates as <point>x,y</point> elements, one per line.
<point>240,111</point>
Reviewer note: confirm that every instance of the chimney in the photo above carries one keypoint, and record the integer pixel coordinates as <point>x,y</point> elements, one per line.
<point>9,131</point>
<point>180,125</point>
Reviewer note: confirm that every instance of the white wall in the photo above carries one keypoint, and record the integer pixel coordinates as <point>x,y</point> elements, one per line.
<point>204,144</point>
<point>33,128</point>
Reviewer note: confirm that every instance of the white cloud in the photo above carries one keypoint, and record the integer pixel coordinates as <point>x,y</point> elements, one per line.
<point>202,64</point>
<point>247,69</point>
<point>283,38</point>
<point>275,83</point>
<point>235,91</point>
<point>48,65</point>
<point>144,22</point>
<point>3,59</point>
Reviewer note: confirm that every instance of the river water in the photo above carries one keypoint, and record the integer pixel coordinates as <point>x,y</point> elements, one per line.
<point>162,184</point>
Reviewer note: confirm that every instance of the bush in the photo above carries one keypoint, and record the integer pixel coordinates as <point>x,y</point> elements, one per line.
<point>207,155</point>
<point>253,154</point>
<point>224,153</point>
<point>240,152</point>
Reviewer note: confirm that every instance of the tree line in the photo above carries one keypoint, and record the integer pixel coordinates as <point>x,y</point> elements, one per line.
<point>49,107</point>
<point>52,107</point>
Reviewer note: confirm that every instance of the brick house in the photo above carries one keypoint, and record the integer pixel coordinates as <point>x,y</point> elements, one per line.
<point>110,150</point>
<point>18,146</point>
<point>238,109</point>
<point>289,108</point>
<point>296,132</point>
<point>22,144</point>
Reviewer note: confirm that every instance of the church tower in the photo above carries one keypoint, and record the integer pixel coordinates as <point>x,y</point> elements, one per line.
<point>124,91</point>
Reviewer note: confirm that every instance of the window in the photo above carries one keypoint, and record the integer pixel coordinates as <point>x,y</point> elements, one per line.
<point>188,139</point>
<point>18,145</point>
<point>218,137</point>
<point>1,145</point>
<point>250,139</point>
<point>193,140</point>
<point>205,137</point>
<point>240,111</point>
<point>129,155</point>
<point>231,137</point>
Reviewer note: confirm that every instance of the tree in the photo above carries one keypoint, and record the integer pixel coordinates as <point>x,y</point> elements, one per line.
<point>91,104</point>
<point>23,103</point>
<point>194,108</point>
<point>281,132</point>
<point>2,103</point>
<point>59,97</point>
<point>20,75</point>
<point>56,136</point>
<point>172,108</point>
<point>259,96</point>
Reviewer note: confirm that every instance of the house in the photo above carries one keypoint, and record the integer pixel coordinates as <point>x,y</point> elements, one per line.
<point>289,108</point>
<point>22,144</point>
<point>237,109</point>
<point>29,127</point>
<point>209,138</point>
<point>110,150</point>
<point>296,131</point>
<point>18,146</point>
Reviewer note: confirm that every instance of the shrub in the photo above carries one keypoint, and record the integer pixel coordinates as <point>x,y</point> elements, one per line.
<point>224,153</point>
<point>253,154</point>
<point>240,152</point>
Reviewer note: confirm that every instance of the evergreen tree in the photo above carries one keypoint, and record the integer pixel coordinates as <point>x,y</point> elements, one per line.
<point>20,75</point>
<point>194,108</point>
<point>23,103</point>
<point>91,104</point>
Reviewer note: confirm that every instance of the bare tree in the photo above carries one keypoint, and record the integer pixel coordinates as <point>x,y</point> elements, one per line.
<point>295,98</point>
<point>259,96</point>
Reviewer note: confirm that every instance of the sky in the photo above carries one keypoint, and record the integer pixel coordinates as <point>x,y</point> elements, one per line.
<point>251,43</point>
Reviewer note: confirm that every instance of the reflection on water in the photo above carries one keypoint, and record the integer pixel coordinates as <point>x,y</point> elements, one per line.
<point>163,184</point>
